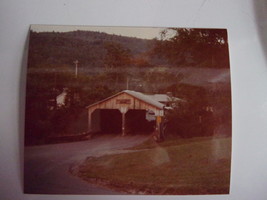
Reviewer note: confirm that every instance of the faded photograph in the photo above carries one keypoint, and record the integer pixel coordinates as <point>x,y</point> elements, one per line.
<point>127,110</point>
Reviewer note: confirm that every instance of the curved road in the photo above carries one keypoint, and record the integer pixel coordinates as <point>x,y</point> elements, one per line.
<point>46,167</point>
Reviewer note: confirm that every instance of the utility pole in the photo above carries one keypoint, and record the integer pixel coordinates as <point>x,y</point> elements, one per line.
<point>76,85</point>
<point>55,89</point>
<point>76,62</point>
<point>127,83</point>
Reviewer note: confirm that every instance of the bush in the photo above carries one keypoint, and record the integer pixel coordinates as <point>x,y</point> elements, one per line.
<point>189,120</point>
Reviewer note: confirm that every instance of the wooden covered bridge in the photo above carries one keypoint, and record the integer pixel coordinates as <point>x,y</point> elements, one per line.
<point>112,113</point>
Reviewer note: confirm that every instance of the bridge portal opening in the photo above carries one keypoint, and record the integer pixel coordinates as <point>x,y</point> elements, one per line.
<point>110,121</point>
<point>136,122</point>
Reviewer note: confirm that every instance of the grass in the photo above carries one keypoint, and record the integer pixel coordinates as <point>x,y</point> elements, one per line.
<point>180,166</point>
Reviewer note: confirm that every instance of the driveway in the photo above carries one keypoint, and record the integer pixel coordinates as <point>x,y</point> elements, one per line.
<point>46,169</point>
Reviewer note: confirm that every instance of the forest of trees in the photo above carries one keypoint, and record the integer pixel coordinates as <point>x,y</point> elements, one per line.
<point>109,64</point>
<point>206,48</point>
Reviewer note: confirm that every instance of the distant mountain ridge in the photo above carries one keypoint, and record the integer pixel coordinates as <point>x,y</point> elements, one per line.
<point>62,48</point>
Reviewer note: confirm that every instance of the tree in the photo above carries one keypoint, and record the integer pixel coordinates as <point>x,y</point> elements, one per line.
<point>116,56</point>
<point>190,117</point>
<point>191,47</point>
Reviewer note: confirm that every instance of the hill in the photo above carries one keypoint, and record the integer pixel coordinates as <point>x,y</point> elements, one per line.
<point>56,49</point>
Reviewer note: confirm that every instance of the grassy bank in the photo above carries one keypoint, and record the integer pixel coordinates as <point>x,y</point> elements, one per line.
<point>181,166</point>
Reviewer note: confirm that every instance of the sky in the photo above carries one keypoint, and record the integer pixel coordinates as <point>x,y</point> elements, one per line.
<point>138,32</point>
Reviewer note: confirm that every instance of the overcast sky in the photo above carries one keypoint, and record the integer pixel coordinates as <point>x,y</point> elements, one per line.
<point>139,32</point>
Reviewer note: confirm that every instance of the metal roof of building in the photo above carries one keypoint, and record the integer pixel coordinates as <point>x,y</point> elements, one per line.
<point>154,100</point>
<point>145,98</point>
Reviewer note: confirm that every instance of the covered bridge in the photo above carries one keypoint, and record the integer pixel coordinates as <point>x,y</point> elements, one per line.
<point>114,112</point>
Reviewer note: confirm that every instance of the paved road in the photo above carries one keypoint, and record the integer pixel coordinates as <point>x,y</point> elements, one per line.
<point>46,169</point>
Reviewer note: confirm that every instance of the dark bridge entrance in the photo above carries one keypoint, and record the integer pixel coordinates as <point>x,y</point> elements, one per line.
<point>136,122</point>
<point>110,121</point>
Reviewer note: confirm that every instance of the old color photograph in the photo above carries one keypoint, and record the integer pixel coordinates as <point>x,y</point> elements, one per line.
<point>127,110</point>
